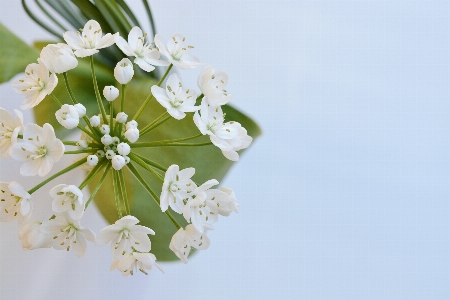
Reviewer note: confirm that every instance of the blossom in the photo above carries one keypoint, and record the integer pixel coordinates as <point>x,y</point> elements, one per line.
<point>92,160</point>
<point>123,149</point>
<point>36,85</point>
<point>125,237</point>
<point>68,234</point>
<point>176,52</point>
<point>212,84</point>
<point>68,116</point>
<point>81,109</point>
<point>228,137</point>
<point>89,40</point>
<point>118,162</point>
<point>146,57</point>
<point>32,237</point>
<point>177,187</point>
<point>10,128</point>
<point>14,202</point>
<point>184,239</point>
<point>176,100</point>
<point>111,93</point>
<point>121,117</point>
<point>225,205</point>
<point>135,261</point>
<point>58,58</point>
<point>39,150</point>
<point>95,121</point>
<point>68,198</point>
<point>105,129</point>
<point>123,72</point>
<point>132,134</point>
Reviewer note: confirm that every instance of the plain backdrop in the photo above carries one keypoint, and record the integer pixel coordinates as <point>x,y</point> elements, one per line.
<point>347,193</point>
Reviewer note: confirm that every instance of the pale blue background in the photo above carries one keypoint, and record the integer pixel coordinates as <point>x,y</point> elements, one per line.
<point>346,195</point>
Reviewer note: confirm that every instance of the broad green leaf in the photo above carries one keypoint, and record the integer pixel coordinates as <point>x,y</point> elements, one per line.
<point>207,160</point>
<point>15,55</point>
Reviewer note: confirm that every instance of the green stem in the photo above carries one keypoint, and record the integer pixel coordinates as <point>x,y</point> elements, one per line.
<point>148,168</point>
<point>96,138</point>
<point>163,143</point>
<point>87,151</point>
<point>148,161</point>
<point>73,143</point>
<point>150,16</point>
<point>56,100</point>
<point>116,193</point>
<point>92,174</point>
<point>122,100</point>
<point>151,192</point>
<point>98,186</point>
<point>150,97</point>
<point>111,114</point>
<point>124,191</point>
<point>97,93</point>
<point>158,121</point>
<point>69,168</point>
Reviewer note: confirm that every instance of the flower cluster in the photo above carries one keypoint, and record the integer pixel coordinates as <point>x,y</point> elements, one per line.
<point>107,143</point>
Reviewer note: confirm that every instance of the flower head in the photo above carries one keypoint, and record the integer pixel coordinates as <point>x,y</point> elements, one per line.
<point>10,128</point>
<point>14,202</point>
<point>212,84</point>
<point>58,58</point>
<point>68,198</point>
<point>176,52</point>
<point>177,189</point>
<point>184,239</point>
<point>39,150</point>
<point>132,262</point>
<point>37,84</point>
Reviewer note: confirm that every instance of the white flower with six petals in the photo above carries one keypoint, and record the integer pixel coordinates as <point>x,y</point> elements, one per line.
<point>176,52</point>
<point>212,84</point>
<point>14,202</point>
<point>184,239</point>
<point>10,128</point>
<point>68,198</point>
<point>178,187</point>
<point>135,261</point>
<point>33,238</point>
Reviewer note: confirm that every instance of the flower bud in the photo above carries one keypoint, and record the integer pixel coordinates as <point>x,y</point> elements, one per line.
<point>111,93</point>
<point>110,154</point>
<point>58,58</point>
<point>131,124</point>
<point>81,110</point>
<point>67,116</point>
<point>82,144</point>
<point>116,140</point>
<point>106,140</point>
<point>132,135</point>
<point>121,117</point>
<point>100,153</point>
<point>127,159</point>
<point>118,162</point>
<point>92,160</point>
<point>105,129</point>
<point>123,149</point>
<point>95,121</point>
<point>123,72</point>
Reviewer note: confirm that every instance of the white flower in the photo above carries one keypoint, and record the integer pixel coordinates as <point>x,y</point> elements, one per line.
<point>36,85</point>
<point>105,129</point>
<point>68,116</point>
<point>68,198</point>
<point>118,162</point>
<point>176,100</point>
<point>146,56</point>
<point>80,109</point>
<point>111,93</point>
<point>212,84</point>
<point>33,238</point>
<point>92,160</point>
<point>121,117</point>
<point>123,149</point>
<point>177,187</point>
<point>228,137</point>
<point>95,121</point>
<point>89,40</point>
<point>184,239</point>
<point>10,128</point>
<point>68,234</point>
<point>123,72</point>
<point>132,262</point>
<point>200,210</point>
<point>58,58</point>
<point>131,124</point>
<point>14,202</point>
<point>226,205</point>
<point>132,134</point>
<point>176,52</point>
<point>39,150</point>
<point>125,237</point>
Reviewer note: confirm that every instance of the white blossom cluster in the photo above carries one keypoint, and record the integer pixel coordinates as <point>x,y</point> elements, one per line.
<point>108,140</point>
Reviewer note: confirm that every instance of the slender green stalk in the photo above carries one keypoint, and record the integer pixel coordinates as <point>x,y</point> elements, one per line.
<point>149,162</point>
<point>73,143</point>
<point>148,168</point>
<point>56,100</point>
<point>151,192</point>
<point>92,174</point>
<point>87,151</point>
<point>123,189</point>
<point>116,193</point>
<point>111,114</point>
<point>98,186</point>
<point>96,138</point>
<point>97,93</point>
<point>163,143</point>
<point>150,97</point>
<point>36,19</point>
<point>150,16</point>
<point>69,168</point>
<point>122,100</point>
<point>158,121</point>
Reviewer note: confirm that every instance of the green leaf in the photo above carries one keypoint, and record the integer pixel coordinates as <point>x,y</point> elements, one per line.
<point>15,55</point>
<point>208,161</point>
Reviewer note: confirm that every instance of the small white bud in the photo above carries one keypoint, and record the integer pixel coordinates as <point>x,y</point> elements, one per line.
<point>80,109</point>
<point>110,154</point>
<point>123,149</point>
<point>118,162</point>
<point>105,129</point>
<point>132,135</point>
<point>115,140</point>
<point>127,159</point>
<point>92,160</point>
<point>95,121</point>
<point>121,117</point>
<point>82,144</point>
<point>100,153</point>
<point>131,124</point>
<point>106,140</point>
<point>111,93</point>
<point>123,72</point>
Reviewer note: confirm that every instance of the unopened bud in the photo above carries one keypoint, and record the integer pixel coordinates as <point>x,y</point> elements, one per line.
<point>111,93</point>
